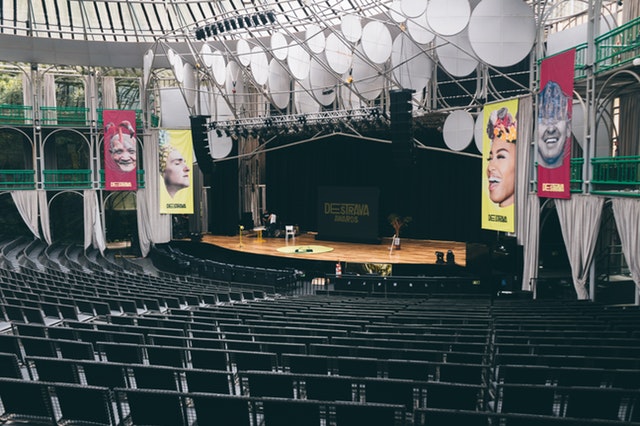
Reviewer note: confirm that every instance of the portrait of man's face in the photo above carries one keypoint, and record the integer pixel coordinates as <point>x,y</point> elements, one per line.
<point>176,172</point>
<point>554,125</point>
<point>123,152</point>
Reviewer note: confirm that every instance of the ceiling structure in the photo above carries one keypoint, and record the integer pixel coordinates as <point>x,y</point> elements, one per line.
<point>241,59</point>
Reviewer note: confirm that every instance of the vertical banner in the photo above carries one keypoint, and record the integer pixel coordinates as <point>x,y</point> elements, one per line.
<point>176,180</point>
<point>120,150</point>
<point>499,166</point>
<point>554,125</point>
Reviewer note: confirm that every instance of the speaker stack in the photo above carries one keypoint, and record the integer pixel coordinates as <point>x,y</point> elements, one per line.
<point>200,140</point>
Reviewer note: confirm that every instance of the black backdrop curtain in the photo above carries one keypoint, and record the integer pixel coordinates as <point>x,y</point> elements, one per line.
<point>445,188</point>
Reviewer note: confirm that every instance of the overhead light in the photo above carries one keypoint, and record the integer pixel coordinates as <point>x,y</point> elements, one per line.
<point>256,20</point>
<point>263,18</point>
<point>271,16</point>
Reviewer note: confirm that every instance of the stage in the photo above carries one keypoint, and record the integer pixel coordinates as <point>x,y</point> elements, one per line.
<point>305,246</point>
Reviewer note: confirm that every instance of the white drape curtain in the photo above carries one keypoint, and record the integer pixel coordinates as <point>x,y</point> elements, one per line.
<point>93,231</point>
<point>109,98</point>
<point>43,207</point>
<point>27,204</point>
<point>153,227</point>
<point>580,223</point>
<point>626,212</point>
<point>90,97</point>
<point>531,239</point>
<point>27,96</point>
<point>49,98</point>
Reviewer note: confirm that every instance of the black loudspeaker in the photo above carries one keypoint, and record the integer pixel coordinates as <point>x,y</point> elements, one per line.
<point>247,220</point>
<point>200,140</point>
<point>401,126</point>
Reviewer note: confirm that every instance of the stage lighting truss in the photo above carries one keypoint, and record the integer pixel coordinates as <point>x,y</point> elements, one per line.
<point>233,23</point>
<point>356,122</point>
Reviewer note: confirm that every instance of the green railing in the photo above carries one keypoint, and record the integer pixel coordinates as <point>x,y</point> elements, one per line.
<point>140,176</point>
<point>17,179</point>
<point>575,179</point>
<point>64,116</point>
<point>20,115</point>
<point>67,179</point>
<point>155,120</point>
<point>16,114</point>
<point>618,46</point>
<point>616,176</point>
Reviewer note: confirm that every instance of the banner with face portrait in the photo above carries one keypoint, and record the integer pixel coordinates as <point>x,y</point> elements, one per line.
<point>175,165</point>
<point>120,150</point>
<point>553,138</point>
<point>499,165</point>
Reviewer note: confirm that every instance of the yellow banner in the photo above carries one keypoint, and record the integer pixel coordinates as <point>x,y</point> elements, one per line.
<point>175,165</point>
<point>499,165</point>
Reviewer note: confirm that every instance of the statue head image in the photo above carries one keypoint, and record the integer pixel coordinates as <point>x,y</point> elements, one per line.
<point>554,125</point>
<point>174,169</point>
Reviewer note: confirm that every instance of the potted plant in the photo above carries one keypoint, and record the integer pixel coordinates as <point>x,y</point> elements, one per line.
<point>398,222</point>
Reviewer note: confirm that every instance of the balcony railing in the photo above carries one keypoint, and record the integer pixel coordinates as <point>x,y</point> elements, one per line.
<point>140,176</point>
<point>616,176</point>
<point>575,180</point>
<point>21,115</point>
<point>17,179</point>
<point>16,114</point>
<point>67,179</point>
<point>618,46</point>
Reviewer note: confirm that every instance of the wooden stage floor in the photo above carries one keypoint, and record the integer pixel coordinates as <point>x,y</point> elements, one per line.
<point>418,252</point>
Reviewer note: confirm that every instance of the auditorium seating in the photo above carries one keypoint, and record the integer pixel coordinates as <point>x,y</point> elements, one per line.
<point>112,348</point>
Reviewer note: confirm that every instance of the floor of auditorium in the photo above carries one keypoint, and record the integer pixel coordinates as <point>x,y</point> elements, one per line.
<point>412,251</point>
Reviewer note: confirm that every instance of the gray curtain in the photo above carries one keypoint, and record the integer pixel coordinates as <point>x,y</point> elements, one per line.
<point>531,238</point>
<point>626,211</point>
<point>27,204</point>
<point>580,223</point>
<point>93,231</point>
<point>153,227</point>
<point>43,206</point>
<point>629,131</point>
<point>523,154</point>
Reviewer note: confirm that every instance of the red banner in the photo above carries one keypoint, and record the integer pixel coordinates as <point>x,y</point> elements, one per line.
<point>554,125</point>
<point>120,150</point>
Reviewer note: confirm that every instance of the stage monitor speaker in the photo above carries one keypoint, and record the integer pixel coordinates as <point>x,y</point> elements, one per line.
<point>200,140</point>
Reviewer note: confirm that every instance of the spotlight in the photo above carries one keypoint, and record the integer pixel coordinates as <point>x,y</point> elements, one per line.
<point>233,23</point>
<point>451,258</point>
<point>241,22</point>
<point>256,20</point>
<point>439,258</point>
<point>263,18</point>
<point>271,16</point>
<point>208,31</point>
<point>214,29</point>
<point>247,21</point>
<point>200,34</point>
<point>227,25</point>
<point>220,27</point>
<point>219,133</point>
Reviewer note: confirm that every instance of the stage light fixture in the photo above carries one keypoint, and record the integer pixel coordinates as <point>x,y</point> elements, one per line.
<point>271,16</point>
<point>214,29</point>
<point>208,31</point>
<point>240,22</point>
<point>219,133</point>
<point>200,34</point>
<point>227,25</point>
<point>247,20</point>
<point>263,18</point>
<point>256,20</point>
<point>220,27</point>
<point>233,23</point>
